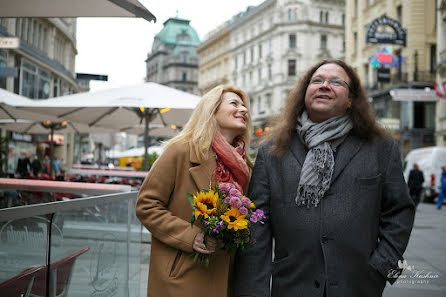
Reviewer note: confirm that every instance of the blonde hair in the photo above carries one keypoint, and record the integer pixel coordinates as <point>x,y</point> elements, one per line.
<point>200,129</point>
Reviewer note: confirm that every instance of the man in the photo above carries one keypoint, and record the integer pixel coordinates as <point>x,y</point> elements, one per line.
<point>443,187</point>
<point>415,183</point>
<point>23,165</point>
<point>330,183</point>
<point>36,166</point>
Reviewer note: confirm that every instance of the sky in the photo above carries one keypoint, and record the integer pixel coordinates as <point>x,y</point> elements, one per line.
<point>118,47</point>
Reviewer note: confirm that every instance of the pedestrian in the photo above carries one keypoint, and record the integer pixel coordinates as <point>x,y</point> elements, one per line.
<point>210,148</point>
<point>36,166</point>
<point>331,185</point>
<point>415,183</point>
<point>56,166</point>
<point>23,165</point>
<point>442,192</point>
<point>46,164</point>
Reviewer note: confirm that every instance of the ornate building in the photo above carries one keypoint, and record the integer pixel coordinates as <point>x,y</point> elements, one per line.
<point>441,73</point>
<point>402,35</point>
<point>173,60</point>
<point>271,45</point>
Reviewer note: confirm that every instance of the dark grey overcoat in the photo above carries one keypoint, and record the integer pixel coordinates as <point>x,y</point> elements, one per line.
<point>350,243</point>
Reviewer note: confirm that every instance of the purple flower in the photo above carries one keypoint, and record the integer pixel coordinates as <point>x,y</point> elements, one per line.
<point>235,193</point>
<point>243,210</point>
<point>246,202</point>
<point>220,224</point>
<point>206,223</point>
<point>216,231</point>
<point>253,218</point>
<point>260,213</point>
<point>235,202</point>
<point>227,199</point>
<point>225,187</point>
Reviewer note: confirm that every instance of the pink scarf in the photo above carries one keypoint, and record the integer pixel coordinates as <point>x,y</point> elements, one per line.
<point>231,161</point>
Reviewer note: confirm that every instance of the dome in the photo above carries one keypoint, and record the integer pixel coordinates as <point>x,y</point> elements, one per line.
<point>177,31</point>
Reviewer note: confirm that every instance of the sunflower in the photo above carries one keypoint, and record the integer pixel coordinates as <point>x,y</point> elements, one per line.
<point>205,203</point>
<point>234,219</point>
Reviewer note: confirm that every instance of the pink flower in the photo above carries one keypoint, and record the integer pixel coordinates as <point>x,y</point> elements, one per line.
<point>253,218</point>
<point>235,193</point>
<point>243,211</point>
<point>260,213</point>
<point>227,199</point>
<point>246,202</point>
<point>235,202</point>
<point>225,187</point>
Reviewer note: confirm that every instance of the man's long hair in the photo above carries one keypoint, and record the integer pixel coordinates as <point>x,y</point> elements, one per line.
<point>360,112</point>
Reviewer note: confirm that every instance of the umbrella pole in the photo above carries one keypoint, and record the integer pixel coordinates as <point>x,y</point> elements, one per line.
<point>147,118</point>
<point>51,150</point>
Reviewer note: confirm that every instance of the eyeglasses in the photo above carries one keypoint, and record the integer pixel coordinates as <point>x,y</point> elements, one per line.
<point>335,82</point>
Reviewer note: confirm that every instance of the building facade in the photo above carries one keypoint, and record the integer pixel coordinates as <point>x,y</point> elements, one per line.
<point>173,60</point>
<point>39,66</point>
<point>214,59</point>
<point>440,134</point>
<point>399,73</point>
<point>272,44</point>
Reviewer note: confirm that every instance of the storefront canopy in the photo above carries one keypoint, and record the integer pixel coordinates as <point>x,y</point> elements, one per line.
<point>74,8</point>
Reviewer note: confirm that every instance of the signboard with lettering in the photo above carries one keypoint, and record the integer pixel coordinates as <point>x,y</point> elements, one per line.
<point>9,42</point>
<point>377,32</point>
<point>419,95</point>
<point>383,74</point>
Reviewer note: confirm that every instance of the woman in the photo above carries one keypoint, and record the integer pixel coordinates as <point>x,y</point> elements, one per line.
<point>210,148</point>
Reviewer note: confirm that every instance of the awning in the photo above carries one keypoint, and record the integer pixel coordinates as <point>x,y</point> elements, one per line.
<point>440,89</point>
<point>419,95</point>
<point>74,8</point>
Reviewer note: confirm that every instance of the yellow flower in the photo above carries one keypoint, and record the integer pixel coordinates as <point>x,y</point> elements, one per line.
<point>205,203</point>
<point>252,205</point>
<point>234,219</point>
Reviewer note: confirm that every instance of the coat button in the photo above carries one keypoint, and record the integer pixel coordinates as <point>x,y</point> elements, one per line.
<point>317,284</point>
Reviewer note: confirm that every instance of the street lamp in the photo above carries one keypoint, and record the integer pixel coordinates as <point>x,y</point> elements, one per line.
<point>53,126</point>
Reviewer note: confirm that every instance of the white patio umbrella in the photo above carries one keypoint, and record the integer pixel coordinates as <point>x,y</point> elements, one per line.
<point>120,108</point>
<point>74,8</point>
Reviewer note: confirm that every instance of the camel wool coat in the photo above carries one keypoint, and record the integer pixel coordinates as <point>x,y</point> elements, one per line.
<point>164,209</point>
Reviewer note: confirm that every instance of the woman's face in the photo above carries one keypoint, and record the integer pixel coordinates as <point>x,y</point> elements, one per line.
<point>232,115</point>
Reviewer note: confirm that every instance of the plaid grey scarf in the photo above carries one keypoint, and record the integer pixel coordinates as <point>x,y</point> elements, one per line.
<point>321,139</point>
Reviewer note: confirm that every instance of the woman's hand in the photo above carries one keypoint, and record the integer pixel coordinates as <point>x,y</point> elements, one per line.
<point>208,248</point>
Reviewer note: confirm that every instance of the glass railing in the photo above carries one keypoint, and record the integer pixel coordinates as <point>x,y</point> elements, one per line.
<point>81,247</point>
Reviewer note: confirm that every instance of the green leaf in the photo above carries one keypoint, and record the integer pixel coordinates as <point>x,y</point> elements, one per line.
<point>190,197</point>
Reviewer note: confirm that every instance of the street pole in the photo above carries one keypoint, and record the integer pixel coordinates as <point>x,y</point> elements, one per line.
<point>148,113</point>
<point>51,149</point>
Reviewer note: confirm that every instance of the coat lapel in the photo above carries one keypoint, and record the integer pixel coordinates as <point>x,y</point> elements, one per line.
<point>347,150</point>
<point>202,172</point>
<point>298,149</point>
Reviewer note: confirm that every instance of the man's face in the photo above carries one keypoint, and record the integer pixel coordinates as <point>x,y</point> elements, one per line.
<point>324,100</point>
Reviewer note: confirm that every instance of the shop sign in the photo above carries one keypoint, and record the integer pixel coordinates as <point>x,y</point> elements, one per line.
<point>397,34</point>
<point>21,137</point>
<point>384,57</point>
<point>9,42</point>
<point>418,95</point>
<point>383,74</point>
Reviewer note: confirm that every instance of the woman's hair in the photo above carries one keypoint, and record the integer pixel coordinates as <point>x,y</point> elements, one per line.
<point>202,125</point>
<point>361,115</point>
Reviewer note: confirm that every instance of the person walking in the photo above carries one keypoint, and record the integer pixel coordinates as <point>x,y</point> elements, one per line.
<point>36,166</point>
<point>415,183</point>
<point>211,148</point>
<point>442,192</point>
<point>23,165</point>
<point>330,182</point>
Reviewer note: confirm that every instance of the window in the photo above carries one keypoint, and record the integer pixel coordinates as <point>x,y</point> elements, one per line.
<point>291,67</point>
<point>270,47</point>
<point>259,106</point>
<point>326,17</point>
<point>259,72</point>
<point>244,58</point>
<point>355,42</point>
<point>235,63</point>
<point>252,54</point>
<point>399,14</point>
<point>270,72</point>
<point>260,51</point>
<point>3,63</point>
<point>292,40</point>
<point>184,56</point>
<point>34,82</point>
<point>184,76</point>
<point>433,61</point>
<point>343,20</point>
<point>321,17</point>
<point>323,42</point>
<point>268,101</point>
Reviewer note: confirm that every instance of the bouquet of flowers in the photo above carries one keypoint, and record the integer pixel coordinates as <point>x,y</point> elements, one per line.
<point>226,215</point>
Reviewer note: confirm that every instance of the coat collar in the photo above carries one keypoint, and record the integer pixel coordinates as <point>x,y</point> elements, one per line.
<point>202,172</point>
<point>346,151</point>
